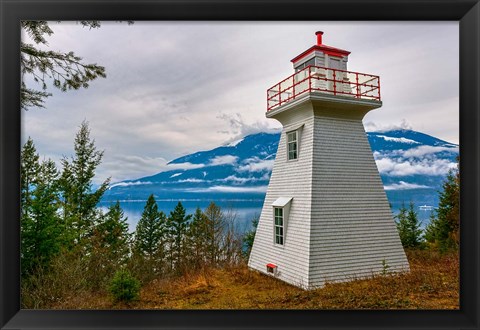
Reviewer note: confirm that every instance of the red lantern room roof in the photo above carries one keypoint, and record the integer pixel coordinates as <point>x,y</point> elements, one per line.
<point>332,51</point>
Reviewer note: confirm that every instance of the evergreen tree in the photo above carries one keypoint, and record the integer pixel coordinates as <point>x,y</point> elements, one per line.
<point>65,69</point>
<point>109,247</point>
<point>29,167</point>
<point>41,229</point>
<point>177,228</point>
<point>113,236</point>
<point>408,227</point>
<point>197,239</point>
<point>439,234</point>
<point>150,231</point>
<point>443,232</point>
<point>431,229</point>
<point>402,224</point>
<point>79,198</point>
<point>449,207</point>
<point>149,245</point>
<point>414,225</point>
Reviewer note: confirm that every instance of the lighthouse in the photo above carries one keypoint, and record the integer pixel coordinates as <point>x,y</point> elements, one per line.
<point>326,217</point>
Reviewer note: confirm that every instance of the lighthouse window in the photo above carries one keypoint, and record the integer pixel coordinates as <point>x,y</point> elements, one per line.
<point>292,146</point>
<point>278,225</point>
<point>304,65</point>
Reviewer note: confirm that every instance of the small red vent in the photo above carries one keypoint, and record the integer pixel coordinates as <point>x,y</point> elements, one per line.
<point>271,268</point>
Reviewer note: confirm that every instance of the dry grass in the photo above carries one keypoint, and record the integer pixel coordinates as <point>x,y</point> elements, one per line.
<point>433,283</point>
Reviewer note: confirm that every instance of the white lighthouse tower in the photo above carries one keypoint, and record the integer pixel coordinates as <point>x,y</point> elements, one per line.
<point>326,217</point>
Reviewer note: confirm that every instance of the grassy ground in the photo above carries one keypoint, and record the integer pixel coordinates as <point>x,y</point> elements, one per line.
<point>433,283</point>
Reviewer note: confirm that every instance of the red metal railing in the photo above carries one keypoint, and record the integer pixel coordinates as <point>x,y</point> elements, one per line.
<point>324,80</point>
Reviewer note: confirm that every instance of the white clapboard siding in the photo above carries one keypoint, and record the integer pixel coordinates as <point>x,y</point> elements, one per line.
<point>353,231</point>
<point>288,179</point>
<point>340,226</point>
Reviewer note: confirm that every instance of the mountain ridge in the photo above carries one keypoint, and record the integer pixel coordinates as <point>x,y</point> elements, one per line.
<point>412,165</point>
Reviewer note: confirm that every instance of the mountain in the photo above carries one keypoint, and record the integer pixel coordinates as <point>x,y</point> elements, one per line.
<point>412,165</point>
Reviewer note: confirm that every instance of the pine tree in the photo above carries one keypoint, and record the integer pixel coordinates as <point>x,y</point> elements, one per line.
<point>197,239</point>
<point>109,246</point>
<point>408,227</point>
<point>439,234</point>
<point>149,245</point>
<point>113,236</point>
<point>431,229</point>
<point>402,224</point>
<point>449,208</point>
<point>177,224</point>
<point>29,168</point>
<point>150,231</point>
<point>443,232</point>
<point>414,226</point>
<point>79,198</point>
<point>40,226</point>
<point>65,68</point>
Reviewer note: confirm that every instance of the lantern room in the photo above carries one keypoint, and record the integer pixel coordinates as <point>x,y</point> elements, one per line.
<point>321,71</point>
<point>321,55</point>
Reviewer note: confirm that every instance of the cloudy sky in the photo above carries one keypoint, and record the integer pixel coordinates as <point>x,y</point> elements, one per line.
<point>173,88</point>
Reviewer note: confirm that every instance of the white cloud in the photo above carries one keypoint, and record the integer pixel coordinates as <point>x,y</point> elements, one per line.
<point>127,167</point>
<point>191,180</point>
<point>417,152</point>
<point>236,179</point>
<point>234,143</point>
<point>127,184</point>
<point>426,150</point>
<point>402,139</point>
<point>402,185</point>
<point>181,166</point>
<point>238,126</point>
<point>223,160</point>
<point>175,175</point>
<point>229,189</point>
<point>378,155</point>
<point>255,164</point>
<point>370,126</point>
<point>402,167</point>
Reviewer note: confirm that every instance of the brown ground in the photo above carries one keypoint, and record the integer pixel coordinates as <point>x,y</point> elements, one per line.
<point>433,283</point>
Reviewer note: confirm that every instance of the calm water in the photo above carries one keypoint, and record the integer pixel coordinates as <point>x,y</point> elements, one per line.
<point>245,211</point>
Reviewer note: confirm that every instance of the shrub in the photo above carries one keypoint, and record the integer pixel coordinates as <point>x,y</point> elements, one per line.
<point>64,278</point>
<point>124,287</point>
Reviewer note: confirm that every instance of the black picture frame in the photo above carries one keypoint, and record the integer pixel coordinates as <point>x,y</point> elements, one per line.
<point>466,12</point>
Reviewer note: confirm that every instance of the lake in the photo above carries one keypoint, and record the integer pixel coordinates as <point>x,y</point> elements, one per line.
<point>245,210</point>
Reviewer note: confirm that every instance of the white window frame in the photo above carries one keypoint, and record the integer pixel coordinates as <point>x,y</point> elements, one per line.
<point>282,204</point>
<point>292,142</point>
<point>279,229</point>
